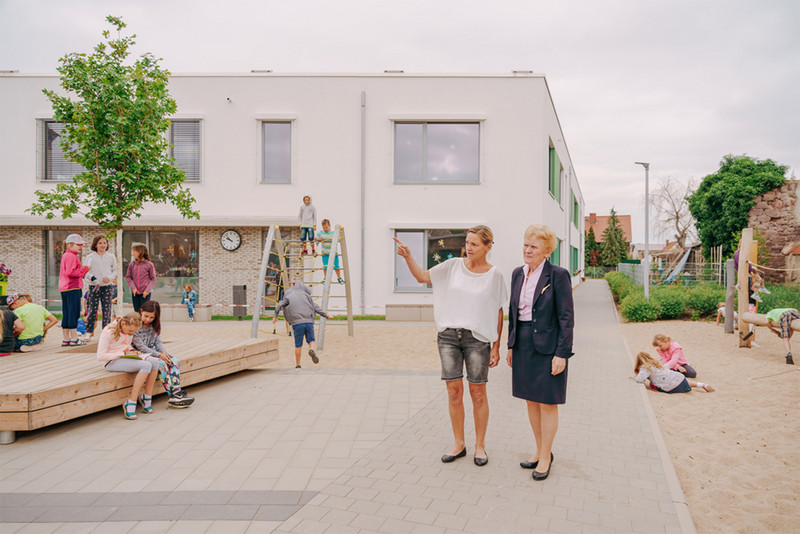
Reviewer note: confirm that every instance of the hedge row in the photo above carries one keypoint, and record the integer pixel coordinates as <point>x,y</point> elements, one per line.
<point>666,302</point>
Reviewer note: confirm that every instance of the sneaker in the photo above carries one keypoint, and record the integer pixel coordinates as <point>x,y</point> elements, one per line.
<point>708,388</point>
<point>297,367</point>
<point>341,280</point>
<point>765,291</point>
<point>789,360</point>
<point>65,343</point>
<point>304,253</point>
<point>78,342</point>
<point>756,297</point>
<point>191,319</point>
<point>313,354</point>
<point>181,399</point>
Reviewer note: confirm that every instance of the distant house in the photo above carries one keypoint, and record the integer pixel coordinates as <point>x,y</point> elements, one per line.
<point>600,222</point>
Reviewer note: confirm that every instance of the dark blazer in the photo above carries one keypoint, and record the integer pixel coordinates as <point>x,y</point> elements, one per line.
<point>552,314</point>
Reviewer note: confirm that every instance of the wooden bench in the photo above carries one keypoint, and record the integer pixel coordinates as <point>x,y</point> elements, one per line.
<point>58,384</point>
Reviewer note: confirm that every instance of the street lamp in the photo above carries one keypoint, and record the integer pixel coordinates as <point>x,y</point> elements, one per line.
<point>646,228</point>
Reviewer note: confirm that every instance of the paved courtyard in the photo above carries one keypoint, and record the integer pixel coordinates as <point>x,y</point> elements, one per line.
<point>339,451</point>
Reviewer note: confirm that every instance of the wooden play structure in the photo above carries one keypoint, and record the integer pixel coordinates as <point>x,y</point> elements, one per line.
<point>58,383</point>
<point>748,254</point>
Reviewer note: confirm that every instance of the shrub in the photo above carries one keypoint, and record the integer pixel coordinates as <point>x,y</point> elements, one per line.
<point>618,283</point>
<point>637,309</point>
<point>703,299</point>
<point>672,300</point>
<point>781,296</point>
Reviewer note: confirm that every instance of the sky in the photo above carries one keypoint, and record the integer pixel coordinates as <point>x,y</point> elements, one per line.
<point>675,83</point>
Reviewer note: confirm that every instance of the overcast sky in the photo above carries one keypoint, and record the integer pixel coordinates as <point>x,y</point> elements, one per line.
<point>677,83</point>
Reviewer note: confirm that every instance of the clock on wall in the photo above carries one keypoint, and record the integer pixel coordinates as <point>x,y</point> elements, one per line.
<point>230,240</point>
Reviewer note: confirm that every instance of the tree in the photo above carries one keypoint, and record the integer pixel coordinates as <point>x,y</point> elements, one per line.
<point>592,249</point>
<point>116,129</point>
<point>724,199</point>
<point>614,247</point>
<point>670,202</point>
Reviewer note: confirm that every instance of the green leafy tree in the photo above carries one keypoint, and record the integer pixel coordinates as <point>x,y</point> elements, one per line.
<point>116,129</point>
<point>721,204</point>
<point>592,249</point>
<point>614,247</point>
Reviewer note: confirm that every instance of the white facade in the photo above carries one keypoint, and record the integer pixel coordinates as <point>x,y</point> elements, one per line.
<point>330,117</point>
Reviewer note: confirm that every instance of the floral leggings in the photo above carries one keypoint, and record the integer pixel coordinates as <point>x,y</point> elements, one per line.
<point>98,295</point>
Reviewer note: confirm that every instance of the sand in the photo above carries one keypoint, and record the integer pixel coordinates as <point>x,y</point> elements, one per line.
<point>736,450</point>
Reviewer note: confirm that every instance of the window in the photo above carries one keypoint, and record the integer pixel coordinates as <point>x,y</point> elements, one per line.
<point>574,260</point>
<point>175,256</point>
<point>436,152</point>
<point>54,165</point>
<point>555,257</point>
<point>575,211</point>
<point>184,136</point>
<point>555,175</point>
<point>429,248</point>
<point>276,148</point>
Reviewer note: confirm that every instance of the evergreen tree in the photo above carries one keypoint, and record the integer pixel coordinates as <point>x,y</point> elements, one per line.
<point>614,248</point>
<point>592,249</point>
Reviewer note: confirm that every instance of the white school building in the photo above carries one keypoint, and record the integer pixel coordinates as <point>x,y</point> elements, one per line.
<point>418,156</point>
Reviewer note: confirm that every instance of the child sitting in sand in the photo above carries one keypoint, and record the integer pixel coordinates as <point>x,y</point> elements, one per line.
<point>662,378</point>
<point>671,354</point>
<point>721,314</point>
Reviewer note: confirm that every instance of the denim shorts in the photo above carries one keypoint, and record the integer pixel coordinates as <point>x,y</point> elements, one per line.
<point>27,342</point>
<point>300,330</point>
<point>457,348</point>
<point>307,233</point>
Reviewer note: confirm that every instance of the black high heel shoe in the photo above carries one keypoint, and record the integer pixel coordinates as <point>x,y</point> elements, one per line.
<point>447,458</point>
<point>532,465</point>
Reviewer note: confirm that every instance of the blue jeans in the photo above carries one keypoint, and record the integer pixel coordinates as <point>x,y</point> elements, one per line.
<point>307,233</point>
<point>190,307</point>
<point>300,330</point>
<point>138,300</point>
<point>22,342</point>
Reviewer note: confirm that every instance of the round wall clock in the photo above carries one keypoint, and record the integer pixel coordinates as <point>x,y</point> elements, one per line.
<point>230,240</point>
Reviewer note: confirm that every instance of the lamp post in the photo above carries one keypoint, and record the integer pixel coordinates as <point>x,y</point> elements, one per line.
<point>646,228</point>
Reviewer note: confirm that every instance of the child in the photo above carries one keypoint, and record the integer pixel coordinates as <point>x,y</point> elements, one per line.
<point>102,270</point>
<point>783,317</point>
<point>148,340</point>
<point>115,349</point>
<point>663,379</point>
<point>141,276</point>
<point>326,237</point>
<point>299,312</point>
<point>33,319</point>
<point>70,284</point>
<point>9,325</point>
<point>671,354</point>
<point>721,314</point>
<point>308,224</point>
<point>189,298</point>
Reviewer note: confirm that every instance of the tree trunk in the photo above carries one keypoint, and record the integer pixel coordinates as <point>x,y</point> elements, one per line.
<point>120,274</point>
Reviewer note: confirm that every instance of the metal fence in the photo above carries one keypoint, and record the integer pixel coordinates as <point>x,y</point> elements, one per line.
<point>692,273</point>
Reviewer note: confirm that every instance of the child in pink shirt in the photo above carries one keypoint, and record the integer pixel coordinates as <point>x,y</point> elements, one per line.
<point>70,284</point>
<point>671,355</point>
<point>115,349</point>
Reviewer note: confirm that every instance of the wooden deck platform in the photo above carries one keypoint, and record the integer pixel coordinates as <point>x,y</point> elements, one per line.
<point>57,384</point>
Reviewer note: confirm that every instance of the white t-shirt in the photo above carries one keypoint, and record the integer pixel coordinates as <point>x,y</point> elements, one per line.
<point>463,299</point>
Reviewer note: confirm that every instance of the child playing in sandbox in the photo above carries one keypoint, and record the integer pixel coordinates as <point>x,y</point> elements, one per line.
<point>662,378</point>
<point>671,355</point>
<point>783,317</point>
<point>299,311</point>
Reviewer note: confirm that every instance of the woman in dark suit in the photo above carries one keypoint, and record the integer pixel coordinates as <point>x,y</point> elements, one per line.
<point>540,322</point>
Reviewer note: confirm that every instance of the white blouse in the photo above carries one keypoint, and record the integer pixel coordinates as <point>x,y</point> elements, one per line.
<point>463,299</point>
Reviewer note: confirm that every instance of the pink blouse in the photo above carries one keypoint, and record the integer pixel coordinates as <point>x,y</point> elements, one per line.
<point>528,291</point>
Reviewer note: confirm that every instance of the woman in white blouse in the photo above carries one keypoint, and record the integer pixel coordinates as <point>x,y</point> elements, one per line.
<point>468,298</point>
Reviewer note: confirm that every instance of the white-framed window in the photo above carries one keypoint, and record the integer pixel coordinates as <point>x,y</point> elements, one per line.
<point>436,152</point>
<point>184,138</point>
<point>53,166</point>
<point>276,152</point>
<point>429,248</point>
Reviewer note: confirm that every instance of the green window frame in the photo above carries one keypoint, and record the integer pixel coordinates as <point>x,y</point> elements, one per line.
<point>555,257</point>
<point>555,175</point>
<point>575,210</point>
<point>574,259</point>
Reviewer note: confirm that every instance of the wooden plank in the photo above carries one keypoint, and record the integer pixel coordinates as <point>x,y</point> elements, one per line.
<point>760,319</point>
<point>15,421</point>
<point>14,402</point>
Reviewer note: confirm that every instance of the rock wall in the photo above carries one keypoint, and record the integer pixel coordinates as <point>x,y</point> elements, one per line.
<point>776,214</point>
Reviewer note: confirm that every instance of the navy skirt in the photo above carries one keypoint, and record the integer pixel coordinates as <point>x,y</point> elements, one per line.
<point>531,377</point>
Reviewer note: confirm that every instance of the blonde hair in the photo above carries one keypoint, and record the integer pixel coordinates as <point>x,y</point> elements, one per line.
<point>643,359</point>
<point>659,339</point>
<point>189,286</point>
<point>543,233</point>
<point>131,319</point>
<point>483,232</point>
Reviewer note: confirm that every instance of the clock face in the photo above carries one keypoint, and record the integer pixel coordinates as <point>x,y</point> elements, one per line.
<point>230,240</point>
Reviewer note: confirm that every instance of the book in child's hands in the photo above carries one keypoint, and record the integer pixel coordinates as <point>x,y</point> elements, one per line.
<point>134,356</point>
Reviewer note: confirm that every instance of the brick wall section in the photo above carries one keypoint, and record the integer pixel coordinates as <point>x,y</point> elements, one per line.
<point>776,214</point>
<point>23,249</point>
